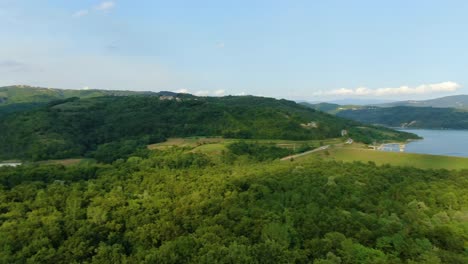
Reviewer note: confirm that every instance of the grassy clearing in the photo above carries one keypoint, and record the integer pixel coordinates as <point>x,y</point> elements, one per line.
<point>211,149</point>
<point>186,142</point>
<point>393,158</point>
<point>65,162</point>
<point>215,145</point>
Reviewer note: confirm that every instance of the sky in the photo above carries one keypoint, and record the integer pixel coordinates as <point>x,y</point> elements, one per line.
<point>300,50</point>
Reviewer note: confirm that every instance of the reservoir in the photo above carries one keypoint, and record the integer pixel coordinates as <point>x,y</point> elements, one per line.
<point>439,142</point>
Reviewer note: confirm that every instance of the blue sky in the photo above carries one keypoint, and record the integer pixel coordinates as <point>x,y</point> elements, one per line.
<point>303,50</point>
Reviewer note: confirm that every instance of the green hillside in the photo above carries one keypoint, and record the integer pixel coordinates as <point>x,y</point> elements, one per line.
<point>332,108</point>
<point>429,114</point>
<point>422,161</point>
<point>19,94</point>
<point>118,124</point>
<point>20,98</point>
<point>454,101</point>
<point>324,107</point>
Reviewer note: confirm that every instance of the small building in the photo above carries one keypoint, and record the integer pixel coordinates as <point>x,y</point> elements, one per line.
<point>10,164</point>
<point>166,97</point>
<point>311,124</point>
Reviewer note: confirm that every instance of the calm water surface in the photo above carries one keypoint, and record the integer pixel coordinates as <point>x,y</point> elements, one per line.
<point>439,142</point>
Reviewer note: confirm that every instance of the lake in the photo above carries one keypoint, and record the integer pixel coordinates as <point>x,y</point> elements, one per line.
<point>439,142</point>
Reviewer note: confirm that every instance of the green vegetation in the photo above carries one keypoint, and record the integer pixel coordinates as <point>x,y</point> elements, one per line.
<point>216,146</point>
<point>110,127</point>
<point>21,107</point>
<point>21,98</point>
<point>258,152</point>
<point>396,159</point>
<point>23,94</point>
<point>184,179</point>
<point>414,117</point>
<point>332,108</point>
<point>176,206</point>
<point>442,113</point>
<point>453,101</point>
<point>324,107</point>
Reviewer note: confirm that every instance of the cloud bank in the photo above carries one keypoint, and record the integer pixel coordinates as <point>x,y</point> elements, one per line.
<point>402,90</point>
<point>219,92</point>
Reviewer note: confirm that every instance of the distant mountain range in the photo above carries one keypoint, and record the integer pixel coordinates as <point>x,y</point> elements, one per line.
<point>348,101</point>
<point>454,101</point>
<point>409,117</point>
<point>449,112</point>
<point>324,107</point>
<point>354,101</point>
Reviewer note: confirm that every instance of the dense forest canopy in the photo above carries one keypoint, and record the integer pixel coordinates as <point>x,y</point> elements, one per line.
<point>98,126</point>
<point>176,206</point>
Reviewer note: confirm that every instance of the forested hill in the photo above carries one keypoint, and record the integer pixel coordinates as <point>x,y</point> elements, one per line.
<point>454,101</point>
<point>324,107</point>
<point>20,94</point>
<point>415,117</point>
<point>75,127</point>
<point>19,98</point>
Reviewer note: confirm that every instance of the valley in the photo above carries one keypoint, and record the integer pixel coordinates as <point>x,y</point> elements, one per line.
<point>186,179</point>
<point>233,132</point>
<point>440,113</point>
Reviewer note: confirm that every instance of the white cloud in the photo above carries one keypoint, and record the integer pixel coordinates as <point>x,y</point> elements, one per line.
<point>86,88</point>
<point>182,91</point>
<point>81,13</point>
<point>202,93</point>
<point>219,92</point>
<point>105,6</point>
<point>402,90</point>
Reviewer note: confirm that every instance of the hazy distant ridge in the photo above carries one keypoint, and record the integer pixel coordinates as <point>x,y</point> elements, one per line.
<point>454,101</point>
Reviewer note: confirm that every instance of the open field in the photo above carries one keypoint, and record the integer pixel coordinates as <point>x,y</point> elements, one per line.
<point>186,142</point>
<point>211,149</point>
<point>214,145</point>
<point>393,158</point>
<point>65,162</point>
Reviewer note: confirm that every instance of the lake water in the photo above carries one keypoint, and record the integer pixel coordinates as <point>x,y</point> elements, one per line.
<point>439,142</point>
